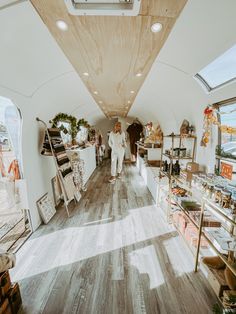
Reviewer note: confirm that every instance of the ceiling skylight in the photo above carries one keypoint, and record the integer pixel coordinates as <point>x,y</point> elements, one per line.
<point>220,71</point>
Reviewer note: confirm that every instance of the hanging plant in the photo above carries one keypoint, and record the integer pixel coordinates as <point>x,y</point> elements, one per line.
<point>63,117</point>
<point>210,118</point>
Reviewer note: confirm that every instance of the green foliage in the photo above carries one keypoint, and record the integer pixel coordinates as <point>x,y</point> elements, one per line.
<point>220,152</point>
<point>63,117</point>
<point>83,123</point>
<point>217,309</point>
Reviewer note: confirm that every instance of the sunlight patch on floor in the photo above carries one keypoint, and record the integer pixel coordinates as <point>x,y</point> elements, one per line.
<point>67,246</point>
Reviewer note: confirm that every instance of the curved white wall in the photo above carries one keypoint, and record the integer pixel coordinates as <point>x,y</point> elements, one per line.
<point>38,78</point>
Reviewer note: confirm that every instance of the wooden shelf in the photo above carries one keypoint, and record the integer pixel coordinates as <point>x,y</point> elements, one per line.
<point>177,157</point>
<point>226,159</point>
<point>180,136</point>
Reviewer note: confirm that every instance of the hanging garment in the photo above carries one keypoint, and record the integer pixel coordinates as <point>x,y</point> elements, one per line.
<point>14,169</point>
<point>78,171</point>
<point>134,131</point>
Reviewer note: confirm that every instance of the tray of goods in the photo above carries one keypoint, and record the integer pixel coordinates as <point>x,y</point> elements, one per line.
<point>178,191</point>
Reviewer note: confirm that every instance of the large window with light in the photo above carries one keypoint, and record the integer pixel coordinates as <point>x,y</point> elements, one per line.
<point>219,72</point>
<point>226,149</point>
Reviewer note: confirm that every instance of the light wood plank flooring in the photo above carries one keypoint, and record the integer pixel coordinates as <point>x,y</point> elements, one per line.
<point>116,254</point>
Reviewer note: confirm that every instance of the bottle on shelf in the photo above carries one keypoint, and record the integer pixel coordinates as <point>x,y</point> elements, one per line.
<point>165,166</point>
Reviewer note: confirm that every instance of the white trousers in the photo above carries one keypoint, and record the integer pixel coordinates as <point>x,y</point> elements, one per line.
<point>117,158</point>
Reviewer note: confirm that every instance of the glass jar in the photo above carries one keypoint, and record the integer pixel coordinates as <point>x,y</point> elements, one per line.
<point>233,203</point>
<point>182,152</point>
<point>210,189</point>
<point>217,193</point>
<point>204,185</point>
<point>194,179</point>
<point>225,199</point>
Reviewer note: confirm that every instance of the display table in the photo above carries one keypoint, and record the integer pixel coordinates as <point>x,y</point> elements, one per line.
<point>88,155</point>
<point>149,175</point>
<point>153,152</point>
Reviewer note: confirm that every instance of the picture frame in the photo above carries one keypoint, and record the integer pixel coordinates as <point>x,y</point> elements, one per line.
<point>46,208</point>
<point>56,190</point>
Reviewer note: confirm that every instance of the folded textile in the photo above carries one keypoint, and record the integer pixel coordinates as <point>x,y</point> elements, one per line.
<point>7,261</point>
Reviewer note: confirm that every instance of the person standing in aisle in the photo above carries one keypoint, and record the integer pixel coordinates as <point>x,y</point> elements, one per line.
<point>117,142</point>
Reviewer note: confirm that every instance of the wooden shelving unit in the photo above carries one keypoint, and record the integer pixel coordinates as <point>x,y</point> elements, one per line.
<point>179,139</point>
<point>228,221</point>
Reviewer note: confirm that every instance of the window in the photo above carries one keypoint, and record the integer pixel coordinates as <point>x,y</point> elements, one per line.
<point>226,150</point>
<point>219,72</point>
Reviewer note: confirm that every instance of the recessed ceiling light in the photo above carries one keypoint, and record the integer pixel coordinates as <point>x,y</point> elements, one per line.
<point>129,102</point>
<point>100,102</point>
<point>85,74</point>
<point>62,25</point>
<point>132,92</point>
<point>156,27</point>
<point>139,74</point>
<point>95,92</point>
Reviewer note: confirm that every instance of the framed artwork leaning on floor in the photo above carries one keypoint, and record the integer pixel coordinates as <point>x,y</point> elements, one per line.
<point>46,208</point>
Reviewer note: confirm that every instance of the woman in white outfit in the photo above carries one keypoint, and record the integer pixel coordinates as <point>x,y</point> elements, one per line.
<point>117,142</point>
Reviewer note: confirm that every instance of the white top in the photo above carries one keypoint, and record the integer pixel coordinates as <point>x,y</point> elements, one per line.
<point>117,141</point>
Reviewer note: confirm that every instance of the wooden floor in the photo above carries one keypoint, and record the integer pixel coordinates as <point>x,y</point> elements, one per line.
<point>116,254</point>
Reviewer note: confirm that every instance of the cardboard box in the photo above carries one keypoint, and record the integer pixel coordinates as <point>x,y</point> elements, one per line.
<point>5,307</point>
<point>14,298</point>
<point>5,284</point>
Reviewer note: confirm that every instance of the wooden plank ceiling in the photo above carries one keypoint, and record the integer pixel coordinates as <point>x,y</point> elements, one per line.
<point>112,49</point>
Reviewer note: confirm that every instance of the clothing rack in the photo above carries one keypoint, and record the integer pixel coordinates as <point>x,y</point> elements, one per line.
<point>59,172</point>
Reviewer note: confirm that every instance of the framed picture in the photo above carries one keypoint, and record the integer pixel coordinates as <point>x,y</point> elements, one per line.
<point>56,190</point>
<point>46,208</point>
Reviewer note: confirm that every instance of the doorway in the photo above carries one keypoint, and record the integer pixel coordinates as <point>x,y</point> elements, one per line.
<point>15,226</point>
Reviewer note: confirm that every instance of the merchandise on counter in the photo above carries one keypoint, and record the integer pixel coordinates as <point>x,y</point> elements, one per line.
<point>176,168</point>
<point>233,203</point>
<point>5,307</point>
<point>230,278</point>
<point>7,261</point>
<point>191,235</point>
<point>14,298</point>
<point>165,166</point>
<point>208,221</point>
<point>229,298</point>
<point>189,205</point>
<point>222,238</point>
<point>225,199</point>
<point>182,152</point>
<point>217,193</point>
<point>5,284</point>
<point>178,191</point>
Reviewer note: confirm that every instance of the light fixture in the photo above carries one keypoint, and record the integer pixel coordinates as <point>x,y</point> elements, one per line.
<point>95,92</point>
<point>132,92</point>
<point>85,74</point>
<point>139,74</point>
<point>100,102</point>
<point>156,27</point>
<point>129,102</point>
<point>62,25</point>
